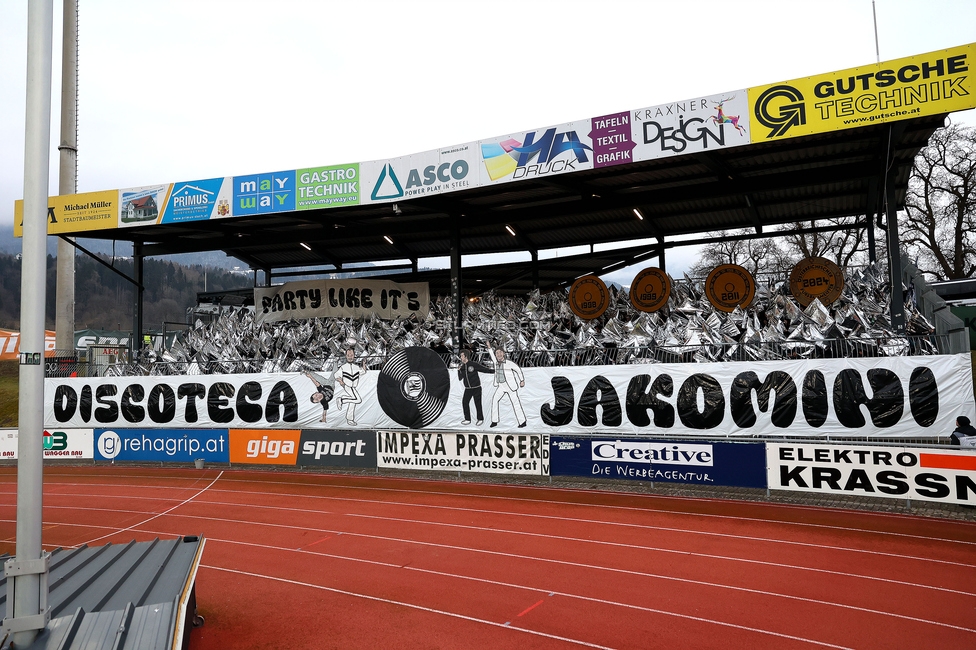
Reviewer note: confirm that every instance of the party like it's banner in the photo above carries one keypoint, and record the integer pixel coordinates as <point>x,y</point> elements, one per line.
<point>890,397</point>
<point>341,299</point>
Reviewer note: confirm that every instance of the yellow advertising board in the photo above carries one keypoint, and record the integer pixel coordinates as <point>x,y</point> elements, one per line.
<point>74,213</point>
<point>926,84</point>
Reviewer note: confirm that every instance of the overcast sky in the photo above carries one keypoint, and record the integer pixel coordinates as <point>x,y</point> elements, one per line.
<point>180,90</point>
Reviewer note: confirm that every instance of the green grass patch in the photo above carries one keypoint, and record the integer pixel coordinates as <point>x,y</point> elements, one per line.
<point>9,393</point>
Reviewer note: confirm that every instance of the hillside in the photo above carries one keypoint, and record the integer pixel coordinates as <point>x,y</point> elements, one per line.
<point>12,245</point>
<point>103,300</point>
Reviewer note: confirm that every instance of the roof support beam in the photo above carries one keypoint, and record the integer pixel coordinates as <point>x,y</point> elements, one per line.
<point>726,176</point>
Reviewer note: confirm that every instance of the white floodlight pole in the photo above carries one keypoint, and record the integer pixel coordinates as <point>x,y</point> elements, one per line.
<point>64,315</point>
<point>29,568</point>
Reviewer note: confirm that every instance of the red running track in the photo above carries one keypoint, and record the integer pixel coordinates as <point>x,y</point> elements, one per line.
<point>338,561</point>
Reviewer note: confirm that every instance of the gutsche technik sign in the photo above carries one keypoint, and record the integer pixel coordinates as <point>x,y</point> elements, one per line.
<point>889,397</point>
<point>926,84</point>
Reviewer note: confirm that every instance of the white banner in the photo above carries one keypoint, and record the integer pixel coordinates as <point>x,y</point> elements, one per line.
<point>492,453</point>
<point>944,475</point>
<point>889,397</point>
<point>529,155</point>
<point>341,299</point>
<point>451,169</point>
<point>59,444</point>
<point>691,126</point>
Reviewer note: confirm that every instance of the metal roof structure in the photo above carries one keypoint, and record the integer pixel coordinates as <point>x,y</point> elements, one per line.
<point>802,179</point>
<point>139,595</point>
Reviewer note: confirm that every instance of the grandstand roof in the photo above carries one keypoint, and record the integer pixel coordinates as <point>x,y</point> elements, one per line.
<point>799,179</point>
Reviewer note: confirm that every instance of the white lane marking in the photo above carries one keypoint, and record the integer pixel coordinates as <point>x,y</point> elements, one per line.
<point>157,516</point>
<point>403,604</point>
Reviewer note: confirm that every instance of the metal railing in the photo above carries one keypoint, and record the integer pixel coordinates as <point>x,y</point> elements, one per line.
<point>931,344</point>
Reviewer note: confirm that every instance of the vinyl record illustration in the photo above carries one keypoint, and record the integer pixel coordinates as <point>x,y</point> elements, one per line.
<point>729,286</point>
<point>816,277</point>
<point>413,387</point>
<point>588,297</point>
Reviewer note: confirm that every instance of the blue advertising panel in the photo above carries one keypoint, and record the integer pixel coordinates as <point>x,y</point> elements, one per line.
<point>264,193</point>
<point>738,464</point>
<point>196,200</point>
<point>162,445</point>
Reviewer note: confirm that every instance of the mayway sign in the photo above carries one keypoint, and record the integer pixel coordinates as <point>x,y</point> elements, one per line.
<point>672,461</point>
<point>464,452</point>
<point>948,476</point>
<point>341,299</point>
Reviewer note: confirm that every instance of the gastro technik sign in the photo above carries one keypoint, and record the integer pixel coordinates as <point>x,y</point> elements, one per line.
<point>948,476</point>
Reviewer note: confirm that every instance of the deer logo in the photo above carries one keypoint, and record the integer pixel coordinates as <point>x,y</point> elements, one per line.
<point>721,118</point>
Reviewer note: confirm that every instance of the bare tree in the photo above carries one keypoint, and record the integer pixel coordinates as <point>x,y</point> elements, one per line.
<point>845,246</point>
<point>756,255</point>
<point>938,226</point>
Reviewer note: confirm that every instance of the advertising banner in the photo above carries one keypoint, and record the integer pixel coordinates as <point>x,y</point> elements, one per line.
<point>487,453</point>
<point>691,126</point>
<point>264,446</point>
<point>450,169</point>
<point>328,187</point>
<point>337,448</point>
<point>10,344</point>
<point>559,149</point>
<point>263,193</point>
<point>198,200</point>
<point>738,464</point>
<point>413,389</point>
<point>75,213</point>
<point>943,475</point>
<point>162,445</point>
<point>59,444</point>
<point>926,84</point>
<point>139,206</point>
<point>341,299</point>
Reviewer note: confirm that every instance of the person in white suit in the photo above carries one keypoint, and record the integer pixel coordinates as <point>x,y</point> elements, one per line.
<point>508,379</point>
<point>347,376</point>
